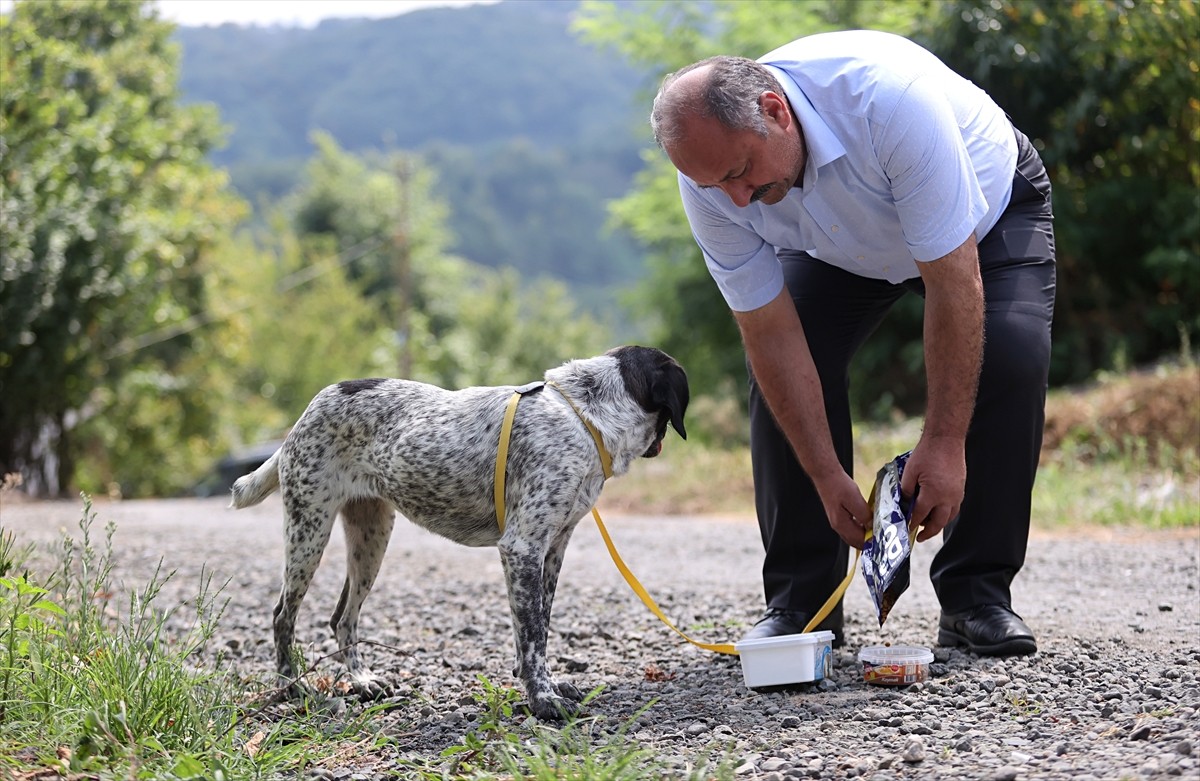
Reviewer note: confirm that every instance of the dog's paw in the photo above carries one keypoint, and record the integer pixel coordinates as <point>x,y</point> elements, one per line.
<point>568,691</point>
<point>551,707</point>
<point>368,687</point>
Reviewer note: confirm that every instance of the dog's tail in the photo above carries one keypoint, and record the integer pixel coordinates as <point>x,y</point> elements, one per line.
<point>258,485</point>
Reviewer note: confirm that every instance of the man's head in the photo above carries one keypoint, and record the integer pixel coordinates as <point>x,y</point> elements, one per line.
<point>725,122</point>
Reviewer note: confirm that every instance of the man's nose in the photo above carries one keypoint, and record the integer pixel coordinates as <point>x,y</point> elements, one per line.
<point>739,192</point>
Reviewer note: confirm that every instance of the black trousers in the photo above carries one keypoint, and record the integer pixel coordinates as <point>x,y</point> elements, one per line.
<point>984,547</point>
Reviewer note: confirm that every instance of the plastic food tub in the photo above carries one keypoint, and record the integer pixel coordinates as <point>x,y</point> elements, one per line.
<point>895,665</point>
<point>775,661</point>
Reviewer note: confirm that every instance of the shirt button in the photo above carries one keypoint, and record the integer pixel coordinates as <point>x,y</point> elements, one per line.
<point>834,229</point>
<point>860,257</point>
<point>885,269</point>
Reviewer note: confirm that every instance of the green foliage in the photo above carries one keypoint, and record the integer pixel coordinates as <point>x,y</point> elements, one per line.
<point>371,200</point>
<point>90,688</point>
<point>25,627</point>
<point>1107,91</point>
<point>541,210</point>
<point>505,330</point>
<point>291,322</point>
<point>462,76</point>
<point>106,206</point>
<point>458,323</point>
<point>104,681</point>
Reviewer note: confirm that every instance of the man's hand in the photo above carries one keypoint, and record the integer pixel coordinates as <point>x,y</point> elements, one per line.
<point>938,468</point>
<point>849,514</point>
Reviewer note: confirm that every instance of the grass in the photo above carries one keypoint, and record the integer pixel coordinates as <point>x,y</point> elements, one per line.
<point>94,687</point>
<point>587,749</point>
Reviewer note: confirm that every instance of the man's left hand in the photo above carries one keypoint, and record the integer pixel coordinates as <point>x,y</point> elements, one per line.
<point>938,467</point>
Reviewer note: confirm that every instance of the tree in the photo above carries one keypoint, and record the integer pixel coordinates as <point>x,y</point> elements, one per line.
<point>455,323</point>
<point>106,207</point>
<point>1107,92</point>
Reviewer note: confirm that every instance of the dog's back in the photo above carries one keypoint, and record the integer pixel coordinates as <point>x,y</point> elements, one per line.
<point>427,451</point>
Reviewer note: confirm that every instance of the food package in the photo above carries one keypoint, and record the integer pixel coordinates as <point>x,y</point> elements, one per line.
<point>885,555</point>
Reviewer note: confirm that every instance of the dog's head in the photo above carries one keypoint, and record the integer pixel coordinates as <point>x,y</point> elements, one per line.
<point>658,384</point>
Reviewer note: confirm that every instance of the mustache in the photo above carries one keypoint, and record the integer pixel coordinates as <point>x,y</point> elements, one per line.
<point>761,192</point>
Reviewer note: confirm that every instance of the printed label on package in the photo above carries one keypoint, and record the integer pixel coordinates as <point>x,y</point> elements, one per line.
<point>885,556</point>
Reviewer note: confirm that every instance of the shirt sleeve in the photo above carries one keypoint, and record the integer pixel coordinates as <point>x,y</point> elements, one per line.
<point>934,186</point>
<point>745,267</point>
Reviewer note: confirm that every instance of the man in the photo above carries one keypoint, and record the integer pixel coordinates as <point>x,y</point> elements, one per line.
<point>823,182</point>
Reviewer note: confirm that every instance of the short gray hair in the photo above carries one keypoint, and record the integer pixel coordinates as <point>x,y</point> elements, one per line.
<point>730,94</point>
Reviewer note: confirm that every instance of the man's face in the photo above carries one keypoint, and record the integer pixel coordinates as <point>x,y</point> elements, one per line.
<point>747,167</point>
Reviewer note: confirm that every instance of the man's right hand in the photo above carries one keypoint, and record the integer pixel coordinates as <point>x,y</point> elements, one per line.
<point>849,514</point>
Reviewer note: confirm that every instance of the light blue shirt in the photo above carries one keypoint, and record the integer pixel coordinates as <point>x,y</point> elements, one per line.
<point>906,159</point>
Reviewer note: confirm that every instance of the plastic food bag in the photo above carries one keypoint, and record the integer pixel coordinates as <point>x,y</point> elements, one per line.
<point>885,556</point>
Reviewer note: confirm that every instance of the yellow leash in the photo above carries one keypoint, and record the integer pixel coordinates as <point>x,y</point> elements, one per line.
<point>720,648</point>
<point>510,413</point>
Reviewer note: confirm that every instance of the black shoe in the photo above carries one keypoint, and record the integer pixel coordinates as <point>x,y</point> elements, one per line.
<point>776,622</point>
<point>988,630</point>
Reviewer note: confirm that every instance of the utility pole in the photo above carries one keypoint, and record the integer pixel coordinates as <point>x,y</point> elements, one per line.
<point>402,260</point>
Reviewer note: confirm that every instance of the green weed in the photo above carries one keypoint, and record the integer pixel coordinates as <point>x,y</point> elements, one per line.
<point>93,686</point>
<point>505,746</point>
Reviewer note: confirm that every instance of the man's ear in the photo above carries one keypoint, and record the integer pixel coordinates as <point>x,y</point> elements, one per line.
<point>775,106</point>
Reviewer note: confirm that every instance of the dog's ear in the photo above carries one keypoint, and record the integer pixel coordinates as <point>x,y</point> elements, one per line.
<point>670,393</point>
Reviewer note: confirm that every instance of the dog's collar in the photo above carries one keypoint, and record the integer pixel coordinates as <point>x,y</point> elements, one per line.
<point>605,458</point>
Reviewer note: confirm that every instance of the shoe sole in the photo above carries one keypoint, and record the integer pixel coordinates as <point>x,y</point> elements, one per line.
<point>1017,646</point>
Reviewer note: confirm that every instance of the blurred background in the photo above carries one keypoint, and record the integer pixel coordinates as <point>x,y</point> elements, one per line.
<point>207,217</point>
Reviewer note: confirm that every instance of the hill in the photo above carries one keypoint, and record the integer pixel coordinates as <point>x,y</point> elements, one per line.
<point>531,130</point>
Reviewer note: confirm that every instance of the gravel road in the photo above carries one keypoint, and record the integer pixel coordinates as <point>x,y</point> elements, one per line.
<point>1113,693</point>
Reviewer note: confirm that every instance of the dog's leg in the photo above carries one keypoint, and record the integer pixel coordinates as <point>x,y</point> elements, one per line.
<point>550,572</point>
<point>307,525</point>
<point>523,572</point>
<point>367,524</point>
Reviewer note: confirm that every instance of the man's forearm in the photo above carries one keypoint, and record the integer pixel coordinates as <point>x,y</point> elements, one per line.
<point>953,339</point>
<point>788,380</point>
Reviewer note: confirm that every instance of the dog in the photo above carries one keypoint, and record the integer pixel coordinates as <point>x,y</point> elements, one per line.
<point>369,448</point>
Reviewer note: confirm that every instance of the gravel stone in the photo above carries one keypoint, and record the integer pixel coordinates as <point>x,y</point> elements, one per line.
<point>1112,693</point>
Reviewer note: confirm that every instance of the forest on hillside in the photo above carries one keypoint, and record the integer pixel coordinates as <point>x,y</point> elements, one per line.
<point>530,130</point>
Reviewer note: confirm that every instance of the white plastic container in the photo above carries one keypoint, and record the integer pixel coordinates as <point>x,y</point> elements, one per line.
<point>895,665</point>
<point>775,661</point>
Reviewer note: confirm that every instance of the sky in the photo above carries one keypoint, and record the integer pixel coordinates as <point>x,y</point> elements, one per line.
<point>301,13</point>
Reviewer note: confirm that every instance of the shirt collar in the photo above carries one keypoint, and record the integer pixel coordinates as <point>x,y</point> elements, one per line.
<point>822,146</point>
